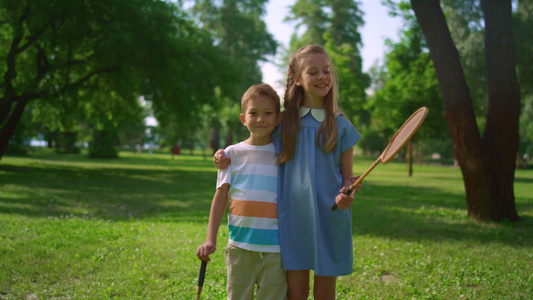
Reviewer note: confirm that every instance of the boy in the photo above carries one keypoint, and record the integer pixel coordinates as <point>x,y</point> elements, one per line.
<point>253,252</point>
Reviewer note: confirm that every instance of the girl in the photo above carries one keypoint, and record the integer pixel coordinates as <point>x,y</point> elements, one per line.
<point>315,145</point>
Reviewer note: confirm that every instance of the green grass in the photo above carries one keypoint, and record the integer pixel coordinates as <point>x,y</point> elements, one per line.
<point>73,227</point>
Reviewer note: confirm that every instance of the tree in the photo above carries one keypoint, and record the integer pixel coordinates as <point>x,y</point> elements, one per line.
<point>334,24</point>
<point>352,83</point>
<point>487,162</point>
<point>242,37</point>
<point>308,13</point>
<point>343,42</point>
<point>408,82</point>
<point>465,22</point>
<point>66,52</point>
<point>523,22</point>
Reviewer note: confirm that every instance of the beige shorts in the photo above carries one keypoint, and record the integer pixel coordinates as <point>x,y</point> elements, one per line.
<point>246,269</point>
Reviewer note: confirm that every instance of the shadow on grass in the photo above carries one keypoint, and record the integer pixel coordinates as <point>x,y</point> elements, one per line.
<point>415,213</point>
<point>109,193</point>
<point>128,158</point>
<point>181,190</point>
<point>524,180</point>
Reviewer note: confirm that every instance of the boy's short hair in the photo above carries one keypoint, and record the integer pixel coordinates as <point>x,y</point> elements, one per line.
<point>260,90</point>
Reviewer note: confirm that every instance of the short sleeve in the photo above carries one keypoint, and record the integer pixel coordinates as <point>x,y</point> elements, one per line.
<point>349,136</point>
<point>224,176</point>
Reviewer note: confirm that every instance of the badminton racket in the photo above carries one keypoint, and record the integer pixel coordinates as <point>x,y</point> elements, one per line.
<point>402,136</point>
<point>201,278</point>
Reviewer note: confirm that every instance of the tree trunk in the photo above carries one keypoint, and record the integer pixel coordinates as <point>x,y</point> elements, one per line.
<point>419,158</point>
<point>214,143</point>
<point>503,103</point>
<point>229,138</point>
<point>409,158</point>
<point>12,111</point>
<point>484,162</point>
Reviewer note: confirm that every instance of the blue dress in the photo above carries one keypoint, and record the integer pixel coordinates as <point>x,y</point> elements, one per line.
<point>312,236</point>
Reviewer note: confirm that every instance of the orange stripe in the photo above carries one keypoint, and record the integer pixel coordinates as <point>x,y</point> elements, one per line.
<point>253,209</point>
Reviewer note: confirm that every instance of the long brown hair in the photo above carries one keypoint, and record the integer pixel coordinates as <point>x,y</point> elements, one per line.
<point>327,134</point>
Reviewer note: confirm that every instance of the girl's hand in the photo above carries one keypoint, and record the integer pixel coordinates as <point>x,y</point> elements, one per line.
<point>221,160</point>
<point>342,200</point>
<point>205,250</point>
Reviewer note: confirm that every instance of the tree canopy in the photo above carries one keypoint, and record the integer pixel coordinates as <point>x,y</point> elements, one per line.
<point>65,53</point>
<point>335,25</point>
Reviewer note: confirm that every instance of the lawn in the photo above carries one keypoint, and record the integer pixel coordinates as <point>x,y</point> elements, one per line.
<point>80,228</point>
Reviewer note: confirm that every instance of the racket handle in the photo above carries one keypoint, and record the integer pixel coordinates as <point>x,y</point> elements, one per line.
<point>201,278</point>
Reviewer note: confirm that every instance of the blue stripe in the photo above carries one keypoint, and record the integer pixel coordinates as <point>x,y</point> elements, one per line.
<point>255,182</point>
<point>254,236</point>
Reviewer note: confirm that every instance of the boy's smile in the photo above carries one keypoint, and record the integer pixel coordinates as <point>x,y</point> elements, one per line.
<point>260,117</point>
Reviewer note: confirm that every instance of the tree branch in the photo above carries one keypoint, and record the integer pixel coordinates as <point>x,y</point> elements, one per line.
<point>11,72</point>
<point>50,92</point>
<point>42,64</point>
<point>32,39</point>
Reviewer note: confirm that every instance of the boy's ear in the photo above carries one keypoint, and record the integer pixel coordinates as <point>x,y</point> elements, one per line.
<point>243,119</point>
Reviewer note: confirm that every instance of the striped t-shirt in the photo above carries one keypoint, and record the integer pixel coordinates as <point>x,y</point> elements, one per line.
<point>253,194</point>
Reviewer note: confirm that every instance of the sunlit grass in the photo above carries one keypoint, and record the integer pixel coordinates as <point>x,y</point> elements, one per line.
<point>74,227</point>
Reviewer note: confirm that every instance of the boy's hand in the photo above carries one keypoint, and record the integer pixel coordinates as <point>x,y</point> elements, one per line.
<point>221,160</point>
<point>205,250</point>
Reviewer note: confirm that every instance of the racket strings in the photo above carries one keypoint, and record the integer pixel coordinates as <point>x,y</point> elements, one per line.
<point>403,135</point>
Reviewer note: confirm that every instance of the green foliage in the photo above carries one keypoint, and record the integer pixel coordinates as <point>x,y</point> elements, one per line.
<point>346,18</point>
<point>526,127</point>
<point>408,84</point>
<point>351,84</point>
<point>241,36</point>
<point>74,227</point>
<point>373,142</point>
<point>311,15</point>
<point>523,22</point>
<point>465,21</point>
<point>75,59</point>
<point>334,24</point>
<point>103,145</point>
<point>229,117</point>
<point>66,142</point>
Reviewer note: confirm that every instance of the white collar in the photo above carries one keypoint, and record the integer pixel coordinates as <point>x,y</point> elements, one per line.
<point>318,113</point>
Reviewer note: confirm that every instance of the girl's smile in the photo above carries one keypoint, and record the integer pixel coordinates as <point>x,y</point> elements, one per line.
<point>315,78</point>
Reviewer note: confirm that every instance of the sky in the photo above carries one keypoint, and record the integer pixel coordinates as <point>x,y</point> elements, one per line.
<point>378,27</point>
